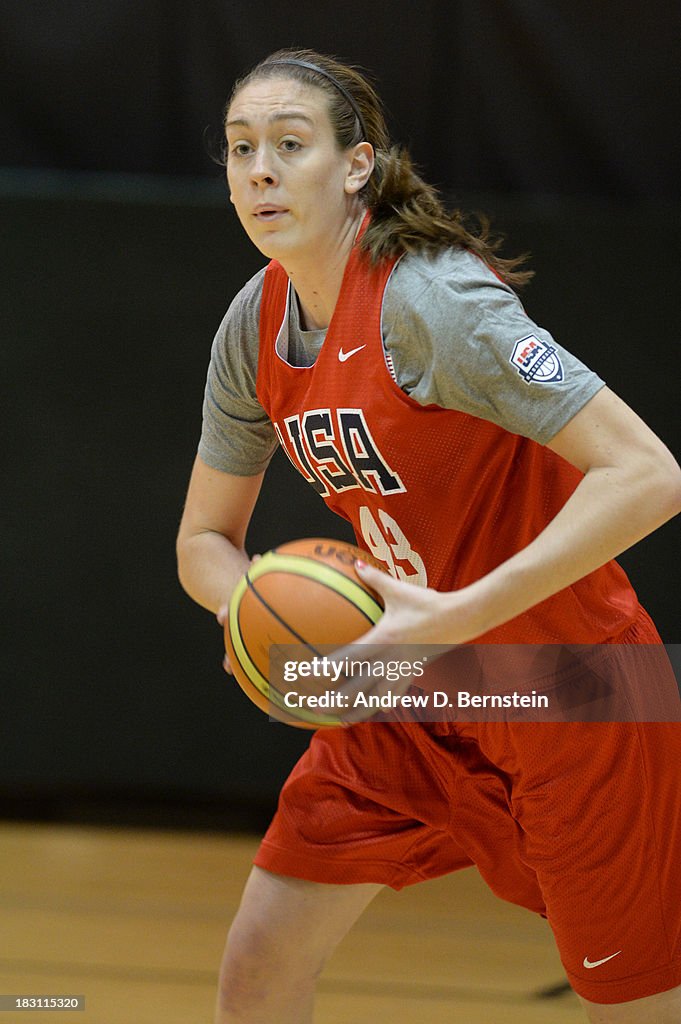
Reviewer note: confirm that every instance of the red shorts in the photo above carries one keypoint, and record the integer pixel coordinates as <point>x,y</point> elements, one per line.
<point>578,821</point>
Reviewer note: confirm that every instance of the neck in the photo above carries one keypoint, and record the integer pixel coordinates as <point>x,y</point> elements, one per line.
<point>317,279</point>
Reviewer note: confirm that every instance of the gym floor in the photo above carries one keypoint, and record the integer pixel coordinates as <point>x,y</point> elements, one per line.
<point>135,922</point>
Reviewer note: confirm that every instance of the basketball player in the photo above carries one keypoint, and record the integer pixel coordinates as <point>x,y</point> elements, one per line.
<point>385,348</point>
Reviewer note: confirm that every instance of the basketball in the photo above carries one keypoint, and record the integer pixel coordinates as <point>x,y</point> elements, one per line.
<point>305,592</point>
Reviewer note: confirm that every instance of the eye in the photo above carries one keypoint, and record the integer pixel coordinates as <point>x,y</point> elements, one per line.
<point>240,149</point>
<point>290,145</point>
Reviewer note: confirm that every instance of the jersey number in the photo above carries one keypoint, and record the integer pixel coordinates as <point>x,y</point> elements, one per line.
<point>387,543</point>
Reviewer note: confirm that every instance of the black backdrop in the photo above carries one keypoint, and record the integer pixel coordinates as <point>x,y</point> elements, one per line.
<point>556,122</point>
<point>563,97</point>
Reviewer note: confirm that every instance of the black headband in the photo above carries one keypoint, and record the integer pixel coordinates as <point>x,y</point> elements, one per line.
<point>334,81</point>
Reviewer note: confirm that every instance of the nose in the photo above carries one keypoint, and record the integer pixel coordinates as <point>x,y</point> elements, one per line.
<point>262,172</point>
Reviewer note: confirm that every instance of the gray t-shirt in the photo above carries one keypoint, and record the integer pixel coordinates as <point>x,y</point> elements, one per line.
<point>454,336</point>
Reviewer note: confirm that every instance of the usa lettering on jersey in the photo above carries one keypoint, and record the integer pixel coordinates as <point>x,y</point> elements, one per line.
<point>335,451</point>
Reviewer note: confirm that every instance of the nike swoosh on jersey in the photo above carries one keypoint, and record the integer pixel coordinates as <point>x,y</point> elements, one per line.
<point>597,963</point>
<point>343,356</point>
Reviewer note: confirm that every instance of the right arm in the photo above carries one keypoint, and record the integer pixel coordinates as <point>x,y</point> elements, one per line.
<point>236,437</point>
<point>211,556</point>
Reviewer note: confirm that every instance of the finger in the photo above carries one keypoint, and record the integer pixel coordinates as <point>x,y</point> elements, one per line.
<point>227,666</point>
<point>222,613</point>
<point>363,669</point>
<point>377,579</point>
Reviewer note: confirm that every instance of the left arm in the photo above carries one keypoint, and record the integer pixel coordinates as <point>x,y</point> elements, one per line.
<point>631,486</point>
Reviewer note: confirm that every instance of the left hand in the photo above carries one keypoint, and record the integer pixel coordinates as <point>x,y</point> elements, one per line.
<point>414,618</point>
<point>413,615</point>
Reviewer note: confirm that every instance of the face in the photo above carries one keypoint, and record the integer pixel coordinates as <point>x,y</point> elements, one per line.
<point>293,189</point>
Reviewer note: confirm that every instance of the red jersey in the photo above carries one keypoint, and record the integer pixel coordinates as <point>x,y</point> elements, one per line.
<point>440,496</point>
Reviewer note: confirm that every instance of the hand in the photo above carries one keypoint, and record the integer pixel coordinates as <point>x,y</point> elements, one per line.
<point>221,616</point>
<point>415,615</point>
<point>415,627</point>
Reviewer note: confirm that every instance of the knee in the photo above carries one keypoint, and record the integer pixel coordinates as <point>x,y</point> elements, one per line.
<point>259,965</point>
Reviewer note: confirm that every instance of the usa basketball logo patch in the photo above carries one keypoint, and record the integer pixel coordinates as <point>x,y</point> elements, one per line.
<point>536,361</point>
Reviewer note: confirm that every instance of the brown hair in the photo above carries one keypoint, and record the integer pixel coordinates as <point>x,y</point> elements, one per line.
<point>407,214</point>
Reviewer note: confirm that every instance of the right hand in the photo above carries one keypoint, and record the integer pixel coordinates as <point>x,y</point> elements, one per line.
<point>221,616</point>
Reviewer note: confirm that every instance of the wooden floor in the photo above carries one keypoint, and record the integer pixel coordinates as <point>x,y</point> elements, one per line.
<point>135,921</point>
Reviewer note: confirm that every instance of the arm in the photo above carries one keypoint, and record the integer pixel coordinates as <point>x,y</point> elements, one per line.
<point>210,545</point>
<point>631,485</point>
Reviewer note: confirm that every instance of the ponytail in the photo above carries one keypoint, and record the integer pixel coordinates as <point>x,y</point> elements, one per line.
<point>408,215</point>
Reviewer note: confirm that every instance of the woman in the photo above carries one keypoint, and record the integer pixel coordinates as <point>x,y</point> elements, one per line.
<point>385,349</point>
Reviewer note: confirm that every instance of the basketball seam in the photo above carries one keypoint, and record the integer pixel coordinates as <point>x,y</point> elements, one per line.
<point>273,695</point>
<point>351,592</point>
<point>261,569</point>
<point>248,667</point>
<point>275,615</point>
<point>251,671</point>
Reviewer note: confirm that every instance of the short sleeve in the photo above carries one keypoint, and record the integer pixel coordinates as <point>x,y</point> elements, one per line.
<point>237,436</point>
<point>458,337</point>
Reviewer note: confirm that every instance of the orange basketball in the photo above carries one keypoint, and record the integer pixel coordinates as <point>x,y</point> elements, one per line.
<point>305,593</point>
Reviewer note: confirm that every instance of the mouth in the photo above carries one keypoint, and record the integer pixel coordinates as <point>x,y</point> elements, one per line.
<point>268,212</point>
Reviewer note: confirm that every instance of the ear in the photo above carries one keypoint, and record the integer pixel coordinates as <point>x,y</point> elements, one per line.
<point>360,166</point>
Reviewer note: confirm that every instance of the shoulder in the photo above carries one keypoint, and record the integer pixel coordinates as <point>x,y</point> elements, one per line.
<point>453,278</point>
<point>234,355</point>
<point>453,331</point>
<point>236,436</point>
<point>450,302</point>
<point>237,337</point>
<point>245,306</point>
